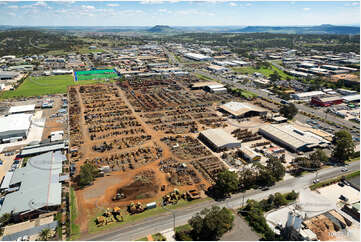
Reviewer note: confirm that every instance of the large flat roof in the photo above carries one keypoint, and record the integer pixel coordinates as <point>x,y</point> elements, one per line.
<point>21,109</point>
<point>219,137</point>
<point>39,184</point>
<point>237,108</point>
<point>203,84</point>
<point>15,122</point>
<point>292,136</point>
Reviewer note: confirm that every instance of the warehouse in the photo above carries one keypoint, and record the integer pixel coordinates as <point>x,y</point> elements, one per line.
<point>249,155</point>
<point>239,110</point>
<point>292,138</point>
<point>34,188</point>
<point>218,139</point>
<point>37,149</point>
<point>14,127</point>
<point>22,109</point>
<point>326,102</point>
<point>197,57</point>
<point>216,68</point>
<point>352,98</point>
<point>8,75</point>
<point>306,95</point>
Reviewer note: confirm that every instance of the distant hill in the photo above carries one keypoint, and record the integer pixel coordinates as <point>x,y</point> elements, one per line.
<point>162,29</point>
<point>321,29</point>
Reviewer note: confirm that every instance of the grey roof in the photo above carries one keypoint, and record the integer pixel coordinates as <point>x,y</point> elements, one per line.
<point>219,137</point>
<point>291,136</point>
<point>41,148</point>
<point>7,179</point>
<point>39,186</point>
<point>29,232</point>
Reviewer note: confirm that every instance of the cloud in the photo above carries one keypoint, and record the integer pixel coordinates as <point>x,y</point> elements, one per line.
<point>12,14</point>
<point>40,3</point>
<point>113,5</point>
<point>89,7</point>
<point>306,9</point>
<point>233,4</point>
<point>13,7</point>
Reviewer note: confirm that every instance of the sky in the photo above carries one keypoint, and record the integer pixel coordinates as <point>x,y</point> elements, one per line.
<point>179,13</point>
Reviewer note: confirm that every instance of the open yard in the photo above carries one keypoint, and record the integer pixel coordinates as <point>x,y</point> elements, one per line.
<point>45,85</point>
<point>265,71</point>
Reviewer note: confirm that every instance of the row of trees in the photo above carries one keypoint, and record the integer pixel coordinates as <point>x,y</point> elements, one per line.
<point>208,225</point>
<point>228,182</point>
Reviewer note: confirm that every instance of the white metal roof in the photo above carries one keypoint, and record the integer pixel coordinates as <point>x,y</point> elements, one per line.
<point>6,181</point>
<point>219,137</point>
<point>15,122</point>
<point>21,109</point>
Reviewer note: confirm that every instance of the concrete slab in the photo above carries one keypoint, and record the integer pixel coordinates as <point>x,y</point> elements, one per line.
<point>168,234</point>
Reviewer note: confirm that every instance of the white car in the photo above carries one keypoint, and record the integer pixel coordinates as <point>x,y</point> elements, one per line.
<point>344,169</point>
<point>316,181</point>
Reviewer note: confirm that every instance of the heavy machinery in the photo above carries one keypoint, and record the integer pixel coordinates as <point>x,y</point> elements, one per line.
<point>100,221</point>
<point>193,194</point>
<point>134,208</point>
<point>118,196</point>
<point>172,198</point>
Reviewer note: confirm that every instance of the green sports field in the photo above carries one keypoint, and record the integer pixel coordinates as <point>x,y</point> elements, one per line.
<point>95,75</point>
<point>45,85</point>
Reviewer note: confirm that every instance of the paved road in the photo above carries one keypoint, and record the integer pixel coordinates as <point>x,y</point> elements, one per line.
<point>165,221</point>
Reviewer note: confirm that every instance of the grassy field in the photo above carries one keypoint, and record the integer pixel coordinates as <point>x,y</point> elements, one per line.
<point>204,77</point>
<point>265,71</point>
<point>74,228</point>
<point>45,85</point>
<point>127,218</point>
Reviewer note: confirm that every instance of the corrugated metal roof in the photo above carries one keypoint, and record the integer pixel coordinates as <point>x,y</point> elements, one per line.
<point>21,109</point>
<point>6,181</point>
<point>219,137</point>
<point>40,149</point>
<point>15,122</point>
<point>29,232</point>
<point>40,185</point>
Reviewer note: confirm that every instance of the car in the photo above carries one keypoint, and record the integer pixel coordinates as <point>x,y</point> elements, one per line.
<point>265,189</point>
<point>344,169</point>
<point>316,181</point>
<point>341,184</point>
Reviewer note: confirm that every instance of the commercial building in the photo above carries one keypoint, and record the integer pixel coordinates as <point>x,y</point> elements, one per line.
<point>38,187</point>
<point>14,127</point>
<point>218,139</point>
<point>197,57</point>
<point>239,110</point>
<point>292,138</point>
<point>327,101</point>
<point>22,109</point>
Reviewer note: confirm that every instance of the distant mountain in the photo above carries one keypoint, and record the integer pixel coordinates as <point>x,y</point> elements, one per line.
<point>321,29</point>
<point>162,29</point>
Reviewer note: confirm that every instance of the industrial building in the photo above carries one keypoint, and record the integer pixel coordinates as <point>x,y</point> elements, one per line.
<point>209,86</point>
<point>40,148</point>
<point>22,109</point>
<point>8,75</point>
<point>197,57</point>
<point>14,127</point>
<point>239,110</point>
<point>292,138</point>
<point>38,186</point>
<point>326,102</point>
<point>218,139</point>
<point>249,155</point>
<point>217,68</point>
<point>352,98</point>
<point>306,95</point>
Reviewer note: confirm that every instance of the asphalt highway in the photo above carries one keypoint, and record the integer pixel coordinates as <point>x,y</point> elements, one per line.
<point>164,221</point>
